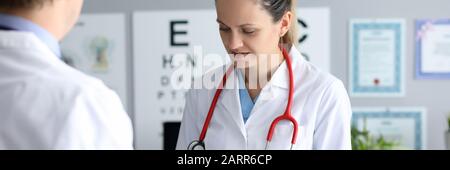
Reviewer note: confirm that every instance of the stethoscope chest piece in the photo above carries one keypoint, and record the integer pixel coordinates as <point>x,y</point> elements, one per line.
<point>197,145</point>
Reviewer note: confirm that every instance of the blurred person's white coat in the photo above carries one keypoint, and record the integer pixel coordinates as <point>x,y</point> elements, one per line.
<point>45,104</point>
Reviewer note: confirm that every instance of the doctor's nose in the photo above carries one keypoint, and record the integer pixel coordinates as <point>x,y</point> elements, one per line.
<point>235,43</point>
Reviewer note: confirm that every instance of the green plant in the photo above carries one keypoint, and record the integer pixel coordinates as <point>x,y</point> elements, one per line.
<point>363,140</point>
<point>448,121</point>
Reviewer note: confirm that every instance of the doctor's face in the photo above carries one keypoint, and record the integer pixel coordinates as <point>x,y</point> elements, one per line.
<point>248,32</point>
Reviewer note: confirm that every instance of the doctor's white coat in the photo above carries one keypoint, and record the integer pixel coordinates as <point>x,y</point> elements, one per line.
<point>321,106</point>
<point>45,104</point>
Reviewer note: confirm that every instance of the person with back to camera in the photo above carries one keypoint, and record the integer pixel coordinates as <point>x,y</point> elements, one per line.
<point>44,103</point>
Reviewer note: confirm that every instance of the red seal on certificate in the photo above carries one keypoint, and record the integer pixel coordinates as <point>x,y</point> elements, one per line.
<point>376,81</point>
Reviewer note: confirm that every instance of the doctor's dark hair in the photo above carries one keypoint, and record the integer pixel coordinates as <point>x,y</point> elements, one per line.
<point>277,9</point>
<point>22,4</point>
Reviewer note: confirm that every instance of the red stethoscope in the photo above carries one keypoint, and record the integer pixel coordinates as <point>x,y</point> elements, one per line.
<point>287,116</point>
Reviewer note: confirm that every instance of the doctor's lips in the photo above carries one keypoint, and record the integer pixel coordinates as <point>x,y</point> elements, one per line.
<point>240,55</point>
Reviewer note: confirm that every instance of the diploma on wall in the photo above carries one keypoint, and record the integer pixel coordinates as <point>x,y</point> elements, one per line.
<point>433,49</point>
<point>405,127</point>
<point>376,58</point>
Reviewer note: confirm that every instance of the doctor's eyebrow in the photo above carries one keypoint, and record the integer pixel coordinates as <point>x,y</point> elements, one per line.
<point>242,25</point>
<point>220,22</point>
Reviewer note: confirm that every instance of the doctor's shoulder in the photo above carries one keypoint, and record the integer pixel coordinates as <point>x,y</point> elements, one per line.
<point>331,110</point>
<point>328,91</point>
<point>322,83</point>
<point>309,76</point>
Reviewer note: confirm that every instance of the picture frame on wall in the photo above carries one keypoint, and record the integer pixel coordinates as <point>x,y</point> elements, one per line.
<point>377,57</point>
<point>404,126</point>
<point>433,49</point>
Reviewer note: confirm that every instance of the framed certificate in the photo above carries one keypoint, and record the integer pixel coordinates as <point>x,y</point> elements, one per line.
<point>404,126</point>
<point>433,49</point>
<point>376,58</point>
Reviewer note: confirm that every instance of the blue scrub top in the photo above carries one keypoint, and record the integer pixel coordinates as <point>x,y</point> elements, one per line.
<point>244,96</point>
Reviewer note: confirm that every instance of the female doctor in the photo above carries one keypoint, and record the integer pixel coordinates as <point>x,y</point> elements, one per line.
<point>298,107</point>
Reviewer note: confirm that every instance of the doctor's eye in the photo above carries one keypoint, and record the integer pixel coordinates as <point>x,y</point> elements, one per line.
<point>224,29</point>
<point>249,31</point>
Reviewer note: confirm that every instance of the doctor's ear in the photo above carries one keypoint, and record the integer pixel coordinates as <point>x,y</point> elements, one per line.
<point>286,23</point>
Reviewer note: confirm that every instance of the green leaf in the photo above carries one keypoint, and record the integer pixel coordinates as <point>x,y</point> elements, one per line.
<point>363,140</point>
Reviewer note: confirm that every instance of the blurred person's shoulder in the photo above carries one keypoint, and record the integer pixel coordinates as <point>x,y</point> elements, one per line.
<point>73,84</point>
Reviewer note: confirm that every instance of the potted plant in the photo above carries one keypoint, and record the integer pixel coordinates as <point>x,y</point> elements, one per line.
<point>363,140</point>
<point>447,133</point>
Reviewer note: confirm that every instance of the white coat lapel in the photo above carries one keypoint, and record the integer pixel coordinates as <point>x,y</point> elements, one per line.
<point>231,103</point>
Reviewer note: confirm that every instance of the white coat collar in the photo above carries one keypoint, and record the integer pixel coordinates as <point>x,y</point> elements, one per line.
<point>281,76</point>
<point>26,41</point>
<point>19,43</point>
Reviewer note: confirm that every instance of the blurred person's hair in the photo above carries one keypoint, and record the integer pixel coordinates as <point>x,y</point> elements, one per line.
<point>22,4</point>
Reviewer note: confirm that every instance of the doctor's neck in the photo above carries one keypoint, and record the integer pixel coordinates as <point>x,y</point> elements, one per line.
<point>257,77</point>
